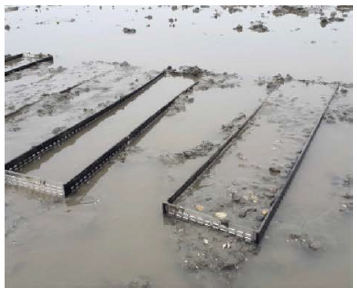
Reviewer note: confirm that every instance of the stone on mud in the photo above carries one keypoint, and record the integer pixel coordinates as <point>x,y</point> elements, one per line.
<point>274,171</point>
<point>129,30</point>
<point>259,27</point>
<point>220,215</point>
<point>238,28</point>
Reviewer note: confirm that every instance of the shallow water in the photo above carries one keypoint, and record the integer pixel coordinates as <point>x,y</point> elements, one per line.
<point>47,114</point>
<point>108,132</point>
<point>284,122</point>
<point>311,206</point>
<point>281,50</point>
<point>112,232</point>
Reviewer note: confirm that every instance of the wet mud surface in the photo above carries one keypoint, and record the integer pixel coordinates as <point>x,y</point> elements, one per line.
<point>104,84</point>
<point>112,233</point>
<point>86,148</point>
<point>244,183</point>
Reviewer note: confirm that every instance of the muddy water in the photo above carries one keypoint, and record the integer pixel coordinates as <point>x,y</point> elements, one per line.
<point>241,184</point>
<point>92,144</point>
<point>312,207</point>
<point>120,211</point>
<point>48,79</point>
<point>61,110</point>
<point>203,118</point>
<point>248,52</point>
<point>112,232</point>
<point>26,59</point>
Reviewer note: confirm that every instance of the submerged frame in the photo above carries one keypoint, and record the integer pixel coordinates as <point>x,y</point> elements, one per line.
<point>13,177</point>
<point>242,232</point>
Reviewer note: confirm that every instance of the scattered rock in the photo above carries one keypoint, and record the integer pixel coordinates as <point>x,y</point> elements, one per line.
<point>7,27</point>
<point>274,171</point>
<point>243,213</point>
<point>238,28</point>
<point>129,30</point>
<point>265,212</point>
<point>220,215</point>
<point>259,27</point>
<point>226,246</point>
<point>199,208</point>
<point>149,17</point>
